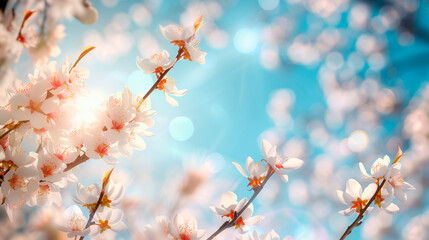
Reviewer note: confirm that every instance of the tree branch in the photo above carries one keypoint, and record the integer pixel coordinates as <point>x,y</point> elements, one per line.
<point>231,223</point>
<point>358,222</point>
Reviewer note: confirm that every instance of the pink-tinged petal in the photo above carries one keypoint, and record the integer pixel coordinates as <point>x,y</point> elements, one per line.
<point>4,116</point>
<point>92,154</point>
<point>293,163</point>
<point>369,191</point>
<point>173,102</point>
<point>283,176</point>
<point>179,93</point>
<point>340,197</point>
<point>240,169</point>
<point>249,164</point>
<point>200,233</point>
<point>266,147</point>
<point>196,55</point>
<point>228,198</point>
<point>390,207</point>
<point>171,32</point>
<point>254,220</point>
<point>354,188</point>
<point>120,226</point>
<point>38,120</point>
<point>347,212</point>
<point>50,105</point>
<point>38,92</point>
<point>400,195</point>
<point>110,160</point>
<point>146,65</point>
<point>366,176</point>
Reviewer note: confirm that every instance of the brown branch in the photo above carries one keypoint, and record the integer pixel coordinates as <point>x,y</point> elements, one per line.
<point>12,128</point>
<point>81,159</point>
<point>155,85</point>
<point>91,215</point>
<point>358,221</point>
<point>231,223</point>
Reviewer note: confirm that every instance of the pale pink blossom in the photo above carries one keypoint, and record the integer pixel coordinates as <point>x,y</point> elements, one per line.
<point>396,184</point>
<point>185,229</point>
<point>277,162</point>
<point>157,63</point>
<point>73,222</point>
<point>257,172</point>
<point>354,197</point>
<point>378,169</point>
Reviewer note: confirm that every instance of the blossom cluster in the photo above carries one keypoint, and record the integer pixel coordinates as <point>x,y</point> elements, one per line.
<point>237,214</point>
<point>387,184</point>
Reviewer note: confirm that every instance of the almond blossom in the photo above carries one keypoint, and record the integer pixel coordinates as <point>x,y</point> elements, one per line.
<point>73,222</point>
<point>396,184</point>
<point>354,197</point>
<point>47,46</point>
<point>168,86</point>
<point>184,229</point>
<point>385,204</point>
<point>277,162</point>
<point>100,146</point>
<point>257,172</point>
<point>106,223</point>
<point>229,207</point>
<point>184,37</point>
<point>88,196</point>
<point>271,235</point>
<point>378,169</point>
<point>157,63</point>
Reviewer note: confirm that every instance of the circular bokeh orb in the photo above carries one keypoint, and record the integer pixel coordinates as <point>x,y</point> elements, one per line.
<point>139,82</point>
<point>214,162</point>
<point>181,128</point>
<point>246,40</point>
<point>358,141</point>
<point>268,5</point>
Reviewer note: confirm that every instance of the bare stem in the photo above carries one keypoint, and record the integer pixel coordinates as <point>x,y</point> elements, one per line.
<point>91,215</point>
<point>81,159</point>
<point>231,223</point>
<point>11,129</point>
<point>359,218</point>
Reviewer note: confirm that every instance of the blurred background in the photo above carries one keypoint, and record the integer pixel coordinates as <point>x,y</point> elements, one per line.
<point>333,82</point>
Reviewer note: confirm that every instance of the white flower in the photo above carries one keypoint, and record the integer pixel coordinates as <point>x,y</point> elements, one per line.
<point>396,184</point>
<point>229,205</point>
<point>354,197</point>
<point>277,162</point>
<point>34,106</point>
<point>245,221</point>
<point>73,222</point>
<point>100,146</point>
<point>257,172</point>
<point>107,222</point>
<point>157,63</point>
<point>184,229</point>
<point>87,196</point>
<point>168,86</point>
<point>271,235</point>
<point>385,204</point>
<point>378,169</point>
<point>184,37</point>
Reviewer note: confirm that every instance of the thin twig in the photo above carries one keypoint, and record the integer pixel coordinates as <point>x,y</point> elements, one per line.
<point>91,215</point>
<point>81,159</point>
<point>358,222</point>
<point>231,223</point>
<point>11,129</point>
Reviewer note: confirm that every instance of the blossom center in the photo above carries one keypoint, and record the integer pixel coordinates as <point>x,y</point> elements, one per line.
<point>255,182</point>
<point>17,182</point>
<point>239,223</point>
<point>230,214</point>
<point>102,149</point>
<point>359,204</point>
<point>104,225</point>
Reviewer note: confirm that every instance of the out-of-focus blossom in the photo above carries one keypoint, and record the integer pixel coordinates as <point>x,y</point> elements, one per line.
<point>271,235</point>
<point>185,229</point>
<point>48,45</point>
<point>354,197</point>
<point>73,222</point>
